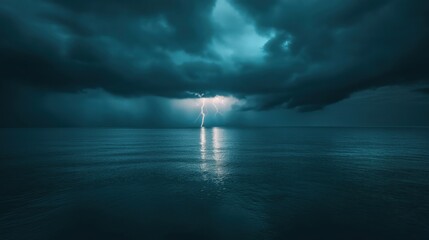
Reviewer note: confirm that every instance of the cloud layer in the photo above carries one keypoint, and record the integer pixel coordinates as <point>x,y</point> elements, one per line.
<point>295,54</point>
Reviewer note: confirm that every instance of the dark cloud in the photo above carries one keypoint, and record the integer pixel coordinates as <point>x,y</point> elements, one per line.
<point>423,90</point>
<point>341,47</point>
<point>303,55</point>
<point>73,45</point>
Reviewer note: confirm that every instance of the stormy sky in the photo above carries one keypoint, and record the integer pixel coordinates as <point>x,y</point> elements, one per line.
<point>131,63</point>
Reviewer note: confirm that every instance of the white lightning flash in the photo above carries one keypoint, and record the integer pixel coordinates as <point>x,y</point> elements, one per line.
<point>214,101</point>
<point>215,107</point>
<point>203,106</point>
<point>202,113</point>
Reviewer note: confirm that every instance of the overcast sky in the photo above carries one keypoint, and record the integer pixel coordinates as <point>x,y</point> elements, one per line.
<point>131,63</point>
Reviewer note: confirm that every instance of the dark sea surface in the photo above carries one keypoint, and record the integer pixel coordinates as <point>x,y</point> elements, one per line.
<point>214,183</point>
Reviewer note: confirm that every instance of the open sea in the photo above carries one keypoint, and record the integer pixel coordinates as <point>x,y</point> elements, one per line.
<point>214,183</point>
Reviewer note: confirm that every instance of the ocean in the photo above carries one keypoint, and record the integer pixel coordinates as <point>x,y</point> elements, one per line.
<point>214,183</point>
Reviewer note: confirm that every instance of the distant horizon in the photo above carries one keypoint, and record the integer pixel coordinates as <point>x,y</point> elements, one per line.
<point>208,127</point>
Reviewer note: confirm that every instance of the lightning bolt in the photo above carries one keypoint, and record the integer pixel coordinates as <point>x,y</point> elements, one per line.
<point>215,107</point>
<point>213,102</point>
<point>203,115</point>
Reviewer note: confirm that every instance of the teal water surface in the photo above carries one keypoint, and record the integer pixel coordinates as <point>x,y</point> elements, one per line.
<point>214,183</point>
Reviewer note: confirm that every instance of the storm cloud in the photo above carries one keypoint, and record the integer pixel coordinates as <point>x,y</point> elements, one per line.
<point>301,55</point>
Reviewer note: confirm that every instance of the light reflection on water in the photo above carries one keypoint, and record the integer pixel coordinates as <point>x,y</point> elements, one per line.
<point>212,159</point>
<point>214,183</point>
<point>217,154</point>
<point>203,152</point>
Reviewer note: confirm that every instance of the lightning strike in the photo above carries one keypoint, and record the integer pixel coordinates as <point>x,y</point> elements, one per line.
<point>203,115</point>
<point>214,101</point>
<point>215,107</point>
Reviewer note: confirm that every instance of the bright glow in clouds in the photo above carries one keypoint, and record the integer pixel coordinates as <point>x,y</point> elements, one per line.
<point>237,37</point>
<point>216,102</point>
<point>210,111</point>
